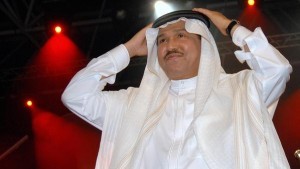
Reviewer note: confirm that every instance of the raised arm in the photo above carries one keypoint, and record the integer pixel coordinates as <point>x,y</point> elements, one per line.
<point>84,95</point>
<point>270,68</point>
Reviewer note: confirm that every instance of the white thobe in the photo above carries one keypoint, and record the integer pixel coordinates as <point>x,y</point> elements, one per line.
<point>173,143</point>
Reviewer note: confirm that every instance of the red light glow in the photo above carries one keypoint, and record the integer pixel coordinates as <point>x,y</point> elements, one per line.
<point>251,2</point>
<point>56,140</point>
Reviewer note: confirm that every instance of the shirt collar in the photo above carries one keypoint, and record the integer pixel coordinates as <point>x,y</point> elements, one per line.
<point>183,85</point>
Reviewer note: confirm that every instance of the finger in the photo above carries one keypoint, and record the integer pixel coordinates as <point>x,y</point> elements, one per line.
<point>198,9</point>
<point>149,25</point>
<point>203,10</point>
<point>146,27</point>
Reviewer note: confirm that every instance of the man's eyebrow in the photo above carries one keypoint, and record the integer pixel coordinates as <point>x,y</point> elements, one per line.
<point>159,36</point>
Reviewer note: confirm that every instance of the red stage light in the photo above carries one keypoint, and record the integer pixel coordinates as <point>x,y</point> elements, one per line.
<point>251,2</point>
<point>29,103</point>
<point>58,29</point>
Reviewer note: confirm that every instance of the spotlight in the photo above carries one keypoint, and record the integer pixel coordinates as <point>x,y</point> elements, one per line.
<point>29,103</point>
<point>251,2</point>
<point>162,8</point>
<point>57,26</point>
<point>297,154</point>
<point>58,29</point>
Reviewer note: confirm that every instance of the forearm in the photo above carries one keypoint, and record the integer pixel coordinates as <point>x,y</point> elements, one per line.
<point>97,73</point>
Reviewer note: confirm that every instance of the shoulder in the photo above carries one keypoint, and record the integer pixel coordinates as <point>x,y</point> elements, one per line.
<point>242,81</point>
<point>242,76</point>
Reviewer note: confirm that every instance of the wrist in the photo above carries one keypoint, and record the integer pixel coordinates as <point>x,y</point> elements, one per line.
<point>119,56</point>
<point>232,27</point>
<point>130,49</point>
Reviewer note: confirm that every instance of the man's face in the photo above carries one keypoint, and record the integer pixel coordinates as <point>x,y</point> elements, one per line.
<point>178,51</point>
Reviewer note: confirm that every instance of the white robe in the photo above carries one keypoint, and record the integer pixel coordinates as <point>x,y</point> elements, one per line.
<point>232,115</point>
<point>173,143</point>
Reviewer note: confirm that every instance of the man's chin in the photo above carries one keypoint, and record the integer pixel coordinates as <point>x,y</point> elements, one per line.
<point>175,75</point>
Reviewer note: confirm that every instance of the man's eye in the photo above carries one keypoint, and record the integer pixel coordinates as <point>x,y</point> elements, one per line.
<point>161,41</point>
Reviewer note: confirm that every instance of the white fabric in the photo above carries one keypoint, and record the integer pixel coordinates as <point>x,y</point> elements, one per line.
<point>232,118</point>
<point>173,143</point>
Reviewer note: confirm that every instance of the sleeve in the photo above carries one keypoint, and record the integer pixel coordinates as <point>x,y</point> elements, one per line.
<point>270,68</point>
<point>84,96</point>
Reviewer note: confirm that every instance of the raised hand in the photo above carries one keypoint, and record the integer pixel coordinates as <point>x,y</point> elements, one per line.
<point>137,45</point>
<point>218,19</point>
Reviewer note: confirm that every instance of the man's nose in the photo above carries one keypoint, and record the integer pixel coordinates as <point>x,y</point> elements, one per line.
<point>172,44</point>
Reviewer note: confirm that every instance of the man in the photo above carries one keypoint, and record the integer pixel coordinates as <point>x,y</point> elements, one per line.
<point>187,112</point>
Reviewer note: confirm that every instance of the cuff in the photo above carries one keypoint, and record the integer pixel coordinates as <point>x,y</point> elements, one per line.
<point>120,57</point>
<point>239,35</point>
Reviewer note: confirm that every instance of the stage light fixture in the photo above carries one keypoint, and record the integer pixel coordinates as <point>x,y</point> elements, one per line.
<point>251,2</point>
<point>162,8</point>
<point>58,29</point>
<point>29,103</point>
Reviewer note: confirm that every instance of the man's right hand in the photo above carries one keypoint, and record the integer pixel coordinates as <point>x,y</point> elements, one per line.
<point>137,45</point>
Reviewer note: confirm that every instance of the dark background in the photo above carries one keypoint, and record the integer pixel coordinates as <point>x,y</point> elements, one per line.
<point>36,64</point>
